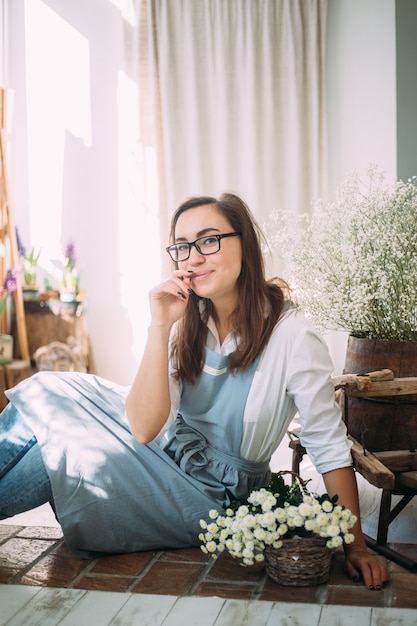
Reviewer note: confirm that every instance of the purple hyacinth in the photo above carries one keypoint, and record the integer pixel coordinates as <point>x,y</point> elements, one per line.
<point>70,255</point>
<point>20,247</point>
<point>10,280</point>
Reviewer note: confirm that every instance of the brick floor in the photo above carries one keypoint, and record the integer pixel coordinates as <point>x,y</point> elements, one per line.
<point>38,556</point>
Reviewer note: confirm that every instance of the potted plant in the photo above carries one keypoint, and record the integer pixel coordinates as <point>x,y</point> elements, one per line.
<point>6,341</point>
<point>293,530</point>
<point>352,266</point>
<point>28,264</point>
<point>70,283</point>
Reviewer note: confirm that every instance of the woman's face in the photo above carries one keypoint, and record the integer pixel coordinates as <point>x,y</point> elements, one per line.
<point>214,276</point>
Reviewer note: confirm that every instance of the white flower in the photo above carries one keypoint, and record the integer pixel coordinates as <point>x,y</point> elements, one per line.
<point>351,264</point>
<point>212,528</point>
<point>259,533</point>
<point>249,521</point>
<point>242,511</point>
<point>268,518</point>
<point>269,502</point>
<point>304,509</point>
<point>327,506</point>
<point>332,530</point>
<point>292,511</point>
<point>321,519</point>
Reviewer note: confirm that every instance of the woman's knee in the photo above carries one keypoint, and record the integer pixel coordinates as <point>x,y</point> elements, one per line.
<point>25,486</point>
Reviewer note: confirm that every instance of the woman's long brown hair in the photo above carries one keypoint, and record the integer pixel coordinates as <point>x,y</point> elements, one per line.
<point>260,301</point>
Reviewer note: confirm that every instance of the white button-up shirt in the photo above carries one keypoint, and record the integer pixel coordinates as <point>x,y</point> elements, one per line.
<point>293,376</point>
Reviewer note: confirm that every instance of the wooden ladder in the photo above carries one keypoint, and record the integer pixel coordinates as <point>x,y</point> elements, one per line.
<point>9,255</point>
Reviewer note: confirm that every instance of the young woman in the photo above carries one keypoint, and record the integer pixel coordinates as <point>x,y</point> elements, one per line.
<point>227,364</point>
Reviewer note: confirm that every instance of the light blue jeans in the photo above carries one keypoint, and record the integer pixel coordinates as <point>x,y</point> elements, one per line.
<point>24,482</point>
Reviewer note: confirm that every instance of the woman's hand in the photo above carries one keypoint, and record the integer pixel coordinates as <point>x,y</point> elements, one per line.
<point>361,565</point>
<point>169,299</point>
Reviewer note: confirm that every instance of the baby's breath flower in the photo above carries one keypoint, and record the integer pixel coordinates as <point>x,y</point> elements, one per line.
<point>351,263</point>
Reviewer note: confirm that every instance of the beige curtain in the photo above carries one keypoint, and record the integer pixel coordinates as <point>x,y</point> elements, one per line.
<point>232,98</point>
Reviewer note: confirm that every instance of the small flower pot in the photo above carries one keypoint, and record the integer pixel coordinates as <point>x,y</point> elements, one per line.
<point>6,349</point>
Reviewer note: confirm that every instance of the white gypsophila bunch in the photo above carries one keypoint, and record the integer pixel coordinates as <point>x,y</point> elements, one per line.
<point>267,519</point>
<point>352,264</point>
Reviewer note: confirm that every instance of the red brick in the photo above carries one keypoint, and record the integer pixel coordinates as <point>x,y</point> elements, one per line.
<point>169,578</point>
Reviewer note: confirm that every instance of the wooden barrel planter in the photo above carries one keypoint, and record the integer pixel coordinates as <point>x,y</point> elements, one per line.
<point>382,423</point>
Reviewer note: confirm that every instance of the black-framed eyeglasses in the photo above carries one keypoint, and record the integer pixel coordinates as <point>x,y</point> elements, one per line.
<point>209,244</point>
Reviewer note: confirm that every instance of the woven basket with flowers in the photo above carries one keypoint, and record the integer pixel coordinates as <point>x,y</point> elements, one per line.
<point>294,531</point>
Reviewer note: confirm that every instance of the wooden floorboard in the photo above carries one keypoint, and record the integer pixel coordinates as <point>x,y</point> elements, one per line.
<point>33,606</point>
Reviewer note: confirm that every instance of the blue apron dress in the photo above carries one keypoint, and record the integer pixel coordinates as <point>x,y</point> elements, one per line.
<point>113,494</point>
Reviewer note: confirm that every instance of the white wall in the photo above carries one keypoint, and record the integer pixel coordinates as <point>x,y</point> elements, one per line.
<point>361,87</point>
<point>65,136</point>
<point>361,62</point>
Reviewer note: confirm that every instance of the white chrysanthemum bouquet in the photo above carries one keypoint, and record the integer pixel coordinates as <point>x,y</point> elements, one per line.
<point>273,514</point>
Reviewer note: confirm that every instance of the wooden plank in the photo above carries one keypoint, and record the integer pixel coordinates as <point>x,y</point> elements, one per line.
<point>362,381</point>
<point>13,598</point>
<point>297,614</point>
<point>408,479</point>
<point>47,607</point>
<point>144,609</point>
<point>96,607</point>
<point>371,468</point>
<point>392,617</point>
<point>244,613</point>
<point>398,460</point>
<point>396,387</point>
<point>195,611</point>
<point>348,616</point>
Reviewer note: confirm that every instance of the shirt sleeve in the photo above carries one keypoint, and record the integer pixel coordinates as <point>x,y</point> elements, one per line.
<point>323,432</point>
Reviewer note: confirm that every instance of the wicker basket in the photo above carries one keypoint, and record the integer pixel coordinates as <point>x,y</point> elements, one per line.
<point>299,562</point>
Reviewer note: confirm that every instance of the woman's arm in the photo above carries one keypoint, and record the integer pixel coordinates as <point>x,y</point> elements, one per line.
<point>148,402</point>
<point>359,562</point>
